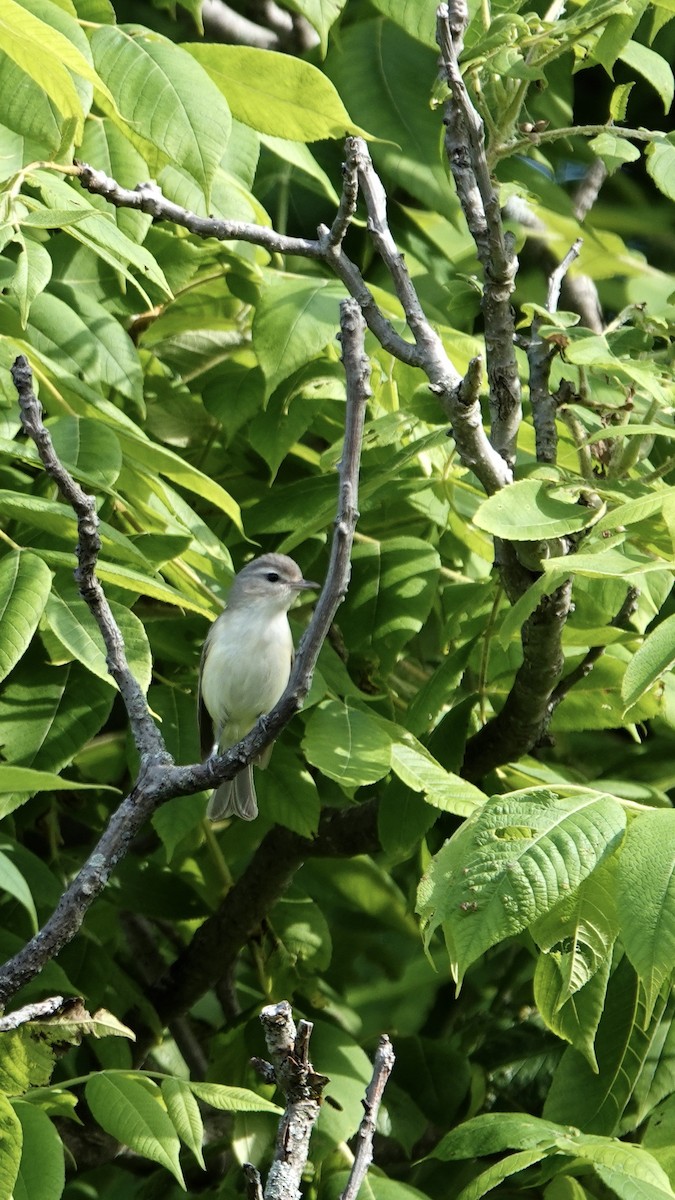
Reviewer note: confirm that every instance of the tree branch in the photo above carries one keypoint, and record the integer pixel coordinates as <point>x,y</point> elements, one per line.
<point>589,660</point>
<point>524,718</point>
<point>159,779</point>
<point>540,356</point>
<point>465,149</point>
<point>461,403</point>
<point>146,735</point>
<point>302,1087</point>
<point>382,1069</point>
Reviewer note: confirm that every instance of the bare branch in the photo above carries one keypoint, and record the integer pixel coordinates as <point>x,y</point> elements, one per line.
<point>159,778</point>
<point>540,356</point>
<point>382,1068</point>
<point>224,24</point>
<point>465,149</point>
<point>589,188</point>
<point>254,1189</point>
<point>302,1088</point>
<point>147,737</point>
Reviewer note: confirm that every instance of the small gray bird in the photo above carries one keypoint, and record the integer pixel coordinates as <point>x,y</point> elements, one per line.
<point>246,664</point>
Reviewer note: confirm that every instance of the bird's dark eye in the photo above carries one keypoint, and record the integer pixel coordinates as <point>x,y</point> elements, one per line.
<point>272,576</point>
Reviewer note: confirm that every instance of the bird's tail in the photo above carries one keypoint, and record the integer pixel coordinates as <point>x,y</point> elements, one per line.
<point>234,798</point>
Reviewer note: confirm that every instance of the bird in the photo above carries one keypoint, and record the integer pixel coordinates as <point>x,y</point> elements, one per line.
<point>245,666</point>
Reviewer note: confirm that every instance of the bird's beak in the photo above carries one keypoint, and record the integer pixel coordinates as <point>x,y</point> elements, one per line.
<point>307,585</point>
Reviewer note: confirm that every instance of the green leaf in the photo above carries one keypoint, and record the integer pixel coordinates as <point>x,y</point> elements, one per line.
<point>596,1102</point>
<point>25,583</point>
<point>88,448</point>
<point>165,98</point>
<point>100,233</point>
<point>321,14</point>
<point>26,1061</point>
<point>33,272</point>
<point>294,320</point>
<point>630,1171</point>
<point>132,1112</point>
<point>511,863</point>
<point>13,882</point>
<point>418,20</point>
<point>232,1099</point>
<point>47,57</point>
<point>579,933</point>
<point>614,151</point>
<point>71,621</point>
<point>577,1017</point>
<point>661,166</point>
<point>393,587</point>
<point>646,900</point>
<point>85,339</point>
<point>496,1174</point>
<point>11,1140</point>
<point>419,770</point>
<point>45,727</point>
<point>276,93</point>
<point>347,744</point>
<point>655,656</point>
<point>655,69</point>
<point>532,509</point>
<point>288,793</point>
<point>491,1133</point>
<point>42,1172</point>
<point>183,1111</point>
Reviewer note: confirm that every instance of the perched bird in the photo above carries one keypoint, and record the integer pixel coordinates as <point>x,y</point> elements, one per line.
<point>246,664</point>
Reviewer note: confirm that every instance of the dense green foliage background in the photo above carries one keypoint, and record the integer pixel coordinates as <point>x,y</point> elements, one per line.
<point>195,387</point>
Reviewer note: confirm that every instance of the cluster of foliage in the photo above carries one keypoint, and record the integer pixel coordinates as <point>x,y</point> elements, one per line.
<point>195,387</point>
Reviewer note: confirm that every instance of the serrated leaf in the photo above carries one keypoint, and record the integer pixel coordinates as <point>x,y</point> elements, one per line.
<point>276,93</point>
<point>646,900</point>
<point>165,99</point>
<point>133,1113</point>
<point>511,863</point>
<point>42,1171</point>
<point>33,272</point>
<point>532,509</point>
<point>347,744</point>
<point>614,151</point>
<point>25,583</point>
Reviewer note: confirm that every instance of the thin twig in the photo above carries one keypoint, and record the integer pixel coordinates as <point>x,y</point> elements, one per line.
<point>540,356</point>
<point>363,1157</point>
<point>427,353</point>
<point>160,778</point>
<point>147,737</point>
<point>465,149</point>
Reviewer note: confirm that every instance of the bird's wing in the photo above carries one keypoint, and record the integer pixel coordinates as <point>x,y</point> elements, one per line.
<point>207,733</point>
